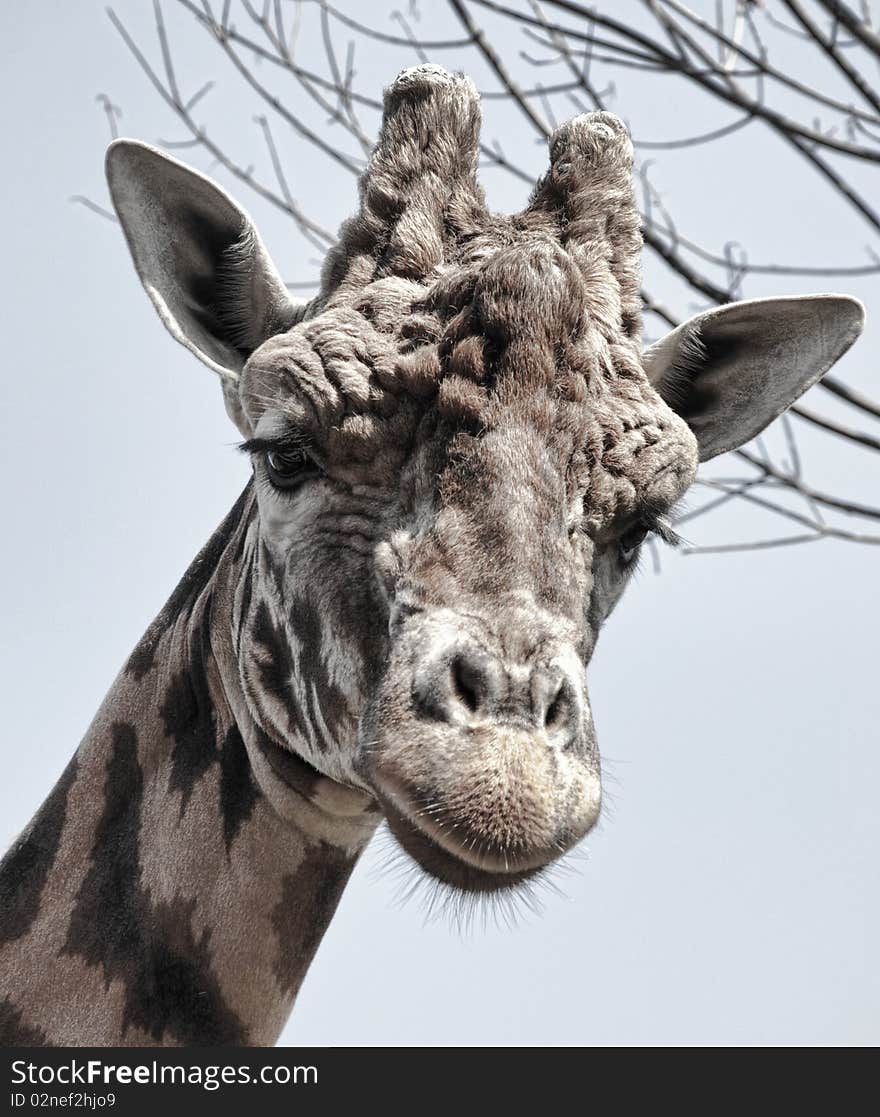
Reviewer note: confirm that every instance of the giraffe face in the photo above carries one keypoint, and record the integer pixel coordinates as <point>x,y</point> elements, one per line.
<point>458,449</point>
<point>447,514</point>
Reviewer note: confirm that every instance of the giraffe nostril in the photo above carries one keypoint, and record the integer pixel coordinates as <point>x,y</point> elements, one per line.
<point>556,707</point>
<point>468,682</point>
<point>459,687</point>
<point>557,710</point>
<point>467,686</point>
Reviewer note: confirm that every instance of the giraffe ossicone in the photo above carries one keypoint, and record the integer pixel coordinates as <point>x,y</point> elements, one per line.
<point>458,449</point>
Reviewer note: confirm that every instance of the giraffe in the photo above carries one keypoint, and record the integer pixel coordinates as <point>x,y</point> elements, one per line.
<point>458,449</point>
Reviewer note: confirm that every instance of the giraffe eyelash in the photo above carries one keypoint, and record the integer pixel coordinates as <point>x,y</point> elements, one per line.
<point>282,444</point>
<point>664,531</point>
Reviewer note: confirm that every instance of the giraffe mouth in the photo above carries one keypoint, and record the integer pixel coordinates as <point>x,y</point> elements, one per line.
<point>448,867</point>
<point>453,855</point>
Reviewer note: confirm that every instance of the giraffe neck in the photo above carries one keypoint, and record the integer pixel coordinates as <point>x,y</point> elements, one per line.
<point>177,882</point>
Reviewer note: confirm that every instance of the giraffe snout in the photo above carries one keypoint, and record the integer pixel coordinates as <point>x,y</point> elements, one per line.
<point>467,686</point>
<point>479,747</point>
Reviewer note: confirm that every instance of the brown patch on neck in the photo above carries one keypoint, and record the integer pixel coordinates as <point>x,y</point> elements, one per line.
<point>26,866</point>
<point>309,898</point>
<point>14,1032</point>
<point>171,991</point>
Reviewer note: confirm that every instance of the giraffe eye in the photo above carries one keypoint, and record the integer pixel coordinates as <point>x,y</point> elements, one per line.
<point>630,541</point>
<point>288,468</point>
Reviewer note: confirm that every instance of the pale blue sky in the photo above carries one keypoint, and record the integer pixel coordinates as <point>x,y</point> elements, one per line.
<point>730,893</point>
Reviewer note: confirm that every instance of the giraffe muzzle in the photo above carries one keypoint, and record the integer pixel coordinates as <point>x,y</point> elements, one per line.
<point>485,765</point>
<point>469,687</point>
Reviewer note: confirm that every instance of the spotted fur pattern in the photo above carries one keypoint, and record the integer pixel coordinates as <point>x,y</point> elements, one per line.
<point>158,897</point>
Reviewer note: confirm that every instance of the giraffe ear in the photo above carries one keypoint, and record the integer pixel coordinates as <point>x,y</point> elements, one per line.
<point>732,370</point>
<point>199,257</point>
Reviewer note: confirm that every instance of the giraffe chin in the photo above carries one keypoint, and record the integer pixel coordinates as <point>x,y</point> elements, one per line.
<point>460,861</point>
<point>447,867</point>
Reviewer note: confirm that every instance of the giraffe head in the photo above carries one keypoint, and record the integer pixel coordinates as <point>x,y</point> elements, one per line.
<point>458,448</point>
